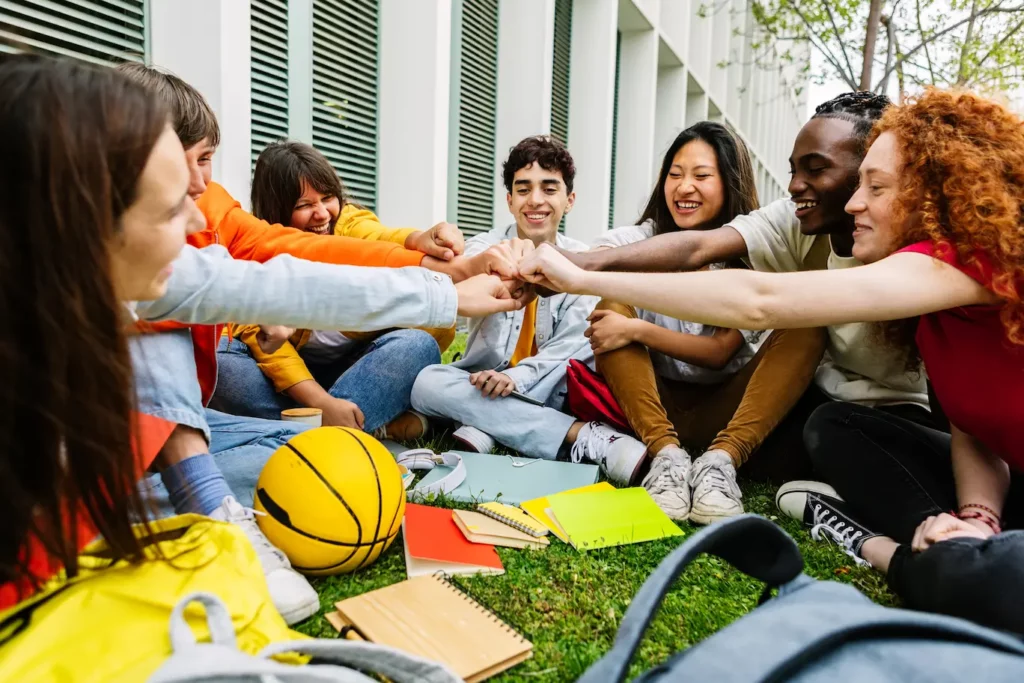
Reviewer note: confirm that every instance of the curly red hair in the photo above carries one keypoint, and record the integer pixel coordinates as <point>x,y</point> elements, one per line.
<point>962,182</point>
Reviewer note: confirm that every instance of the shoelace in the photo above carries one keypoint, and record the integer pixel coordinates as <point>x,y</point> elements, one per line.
<point>710,477</point>
<point>595,436</point>
<point>263,547</point>
<point>672,475</point>
<point>840,533</point>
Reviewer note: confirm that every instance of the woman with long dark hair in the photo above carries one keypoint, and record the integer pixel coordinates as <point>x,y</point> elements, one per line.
<point>94,212</point>
<point>678,382</point>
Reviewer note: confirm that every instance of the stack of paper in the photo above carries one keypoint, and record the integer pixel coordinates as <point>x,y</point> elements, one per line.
<point>479,528</point>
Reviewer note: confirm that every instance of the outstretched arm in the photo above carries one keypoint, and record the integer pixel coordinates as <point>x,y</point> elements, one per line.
<point>683,250</point>
<point>900,286</point>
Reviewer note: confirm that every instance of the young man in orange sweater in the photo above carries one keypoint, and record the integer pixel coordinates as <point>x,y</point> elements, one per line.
<point>211,462</point>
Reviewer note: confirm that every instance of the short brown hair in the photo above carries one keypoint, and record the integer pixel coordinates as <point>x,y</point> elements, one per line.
<point>192,117</point>
<point>544,150</point>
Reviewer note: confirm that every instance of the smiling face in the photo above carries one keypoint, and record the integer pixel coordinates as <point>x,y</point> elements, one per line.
<point>154,227</point>
<point>824,173</point>
<point>538,201</point>
<point>315,212</point>
<point>875,234</point>
<point>199,158</point>
<point>694,190</point>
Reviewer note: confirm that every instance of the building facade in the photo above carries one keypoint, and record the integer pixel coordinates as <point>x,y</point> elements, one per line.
<point>416,102</point>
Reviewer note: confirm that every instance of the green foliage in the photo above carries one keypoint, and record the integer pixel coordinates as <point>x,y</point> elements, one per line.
<point>977,44</point>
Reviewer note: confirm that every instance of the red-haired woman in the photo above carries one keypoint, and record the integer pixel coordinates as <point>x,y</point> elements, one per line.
<point>939,222</point>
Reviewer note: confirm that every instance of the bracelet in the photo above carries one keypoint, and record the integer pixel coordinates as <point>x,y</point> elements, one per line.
<point>995,515</point>
<point>985,519</point>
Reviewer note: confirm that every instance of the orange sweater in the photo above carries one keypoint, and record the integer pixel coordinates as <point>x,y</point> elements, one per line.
<point>249,238</point>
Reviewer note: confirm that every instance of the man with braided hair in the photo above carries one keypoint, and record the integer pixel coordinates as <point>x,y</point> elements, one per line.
<point>808,231</point>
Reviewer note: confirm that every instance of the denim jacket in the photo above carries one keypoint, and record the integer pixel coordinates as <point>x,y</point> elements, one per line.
<point>561,321</point>
<point>208,286</point>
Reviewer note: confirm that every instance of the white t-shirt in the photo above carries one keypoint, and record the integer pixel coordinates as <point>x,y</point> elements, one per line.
<point>857,367</point>
<point>666,366</point>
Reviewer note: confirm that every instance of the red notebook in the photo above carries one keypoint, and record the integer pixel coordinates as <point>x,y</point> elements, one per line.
<point>434,543</point>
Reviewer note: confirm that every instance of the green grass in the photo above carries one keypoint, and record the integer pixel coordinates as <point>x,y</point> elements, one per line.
<point>569,604</point>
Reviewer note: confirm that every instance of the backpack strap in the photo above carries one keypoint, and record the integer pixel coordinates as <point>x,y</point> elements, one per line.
<point>393,664</point>
<point>750,543</point>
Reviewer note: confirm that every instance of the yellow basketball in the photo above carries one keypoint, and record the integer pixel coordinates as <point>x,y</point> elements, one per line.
<point>333,499</point>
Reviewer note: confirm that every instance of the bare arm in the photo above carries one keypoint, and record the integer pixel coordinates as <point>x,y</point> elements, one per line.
<point>674,251</point>
<point>713,352</point>
<point>982,477</point>
<point>903,285</point>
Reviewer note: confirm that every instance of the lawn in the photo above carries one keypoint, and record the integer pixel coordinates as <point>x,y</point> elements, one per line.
<point>569,604</point>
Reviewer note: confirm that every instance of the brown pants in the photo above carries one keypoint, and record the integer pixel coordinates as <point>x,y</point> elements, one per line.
<point>735,416</point>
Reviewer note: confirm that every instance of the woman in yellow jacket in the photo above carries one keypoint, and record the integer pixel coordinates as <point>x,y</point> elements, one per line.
<point>360,380</point>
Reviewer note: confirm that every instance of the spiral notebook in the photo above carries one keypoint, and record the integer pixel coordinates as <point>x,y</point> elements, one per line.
<point>429,617</point>
<point>517,518</point>
<point>479,528</point>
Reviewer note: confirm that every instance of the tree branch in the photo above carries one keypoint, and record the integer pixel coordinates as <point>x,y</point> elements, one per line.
<point>927,55</point>
<point>965,48</point>
<point>953,27</point>
<point>890,33</point>
<point>842,43</point>
<point>999,43</point>
<point>826,53</point>
<point>874,13</point>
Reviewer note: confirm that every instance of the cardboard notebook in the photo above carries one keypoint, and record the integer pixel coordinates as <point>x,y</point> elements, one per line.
<point>599,519</point>
<point>512,479</point>
<point>429,617</point>
<point>538,507</point>
<point>433,543</point>
<point>479,528</point>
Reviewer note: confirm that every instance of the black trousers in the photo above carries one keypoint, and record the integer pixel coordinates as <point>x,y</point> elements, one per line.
<point>895,473</point>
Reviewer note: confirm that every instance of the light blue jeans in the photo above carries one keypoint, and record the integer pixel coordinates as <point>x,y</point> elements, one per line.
<point>536,431</point>
<point>167,387</point>
<point>377,377</point>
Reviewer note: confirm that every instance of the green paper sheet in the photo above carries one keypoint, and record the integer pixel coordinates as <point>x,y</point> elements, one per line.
<point>601,519</point>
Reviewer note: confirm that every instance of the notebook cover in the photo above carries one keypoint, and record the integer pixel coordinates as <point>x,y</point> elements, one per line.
<point>429,617</point>
<point>599,519</point>
<point>511,515</point>
<point>495,477</point>
<point>479,528</point>
<point>431,535</point>
<point>538,507</point>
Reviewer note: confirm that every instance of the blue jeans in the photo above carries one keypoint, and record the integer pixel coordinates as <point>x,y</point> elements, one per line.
<point>167,387</point>
<point>536,431</point>
<point>379,380</point>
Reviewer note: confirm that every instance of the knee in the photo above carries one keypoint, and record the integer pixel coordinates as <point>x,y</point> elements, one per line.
<point>416,346</point>
<point>823,428</point>
<point>429,385</point>
<point>615,307</point>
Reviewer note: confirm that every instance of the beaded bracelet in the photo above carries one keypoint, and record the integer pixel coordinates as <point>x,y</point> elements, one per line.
<point>978,506</point>
<point>984,518</point>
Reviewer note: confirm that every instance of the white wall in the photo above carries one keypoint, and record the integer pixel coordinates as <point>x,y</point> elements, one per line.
<point>634,165</point>
<point>526,42</point>
<point>591,91</point>
<point>415,56</point>
<point>206,42</point>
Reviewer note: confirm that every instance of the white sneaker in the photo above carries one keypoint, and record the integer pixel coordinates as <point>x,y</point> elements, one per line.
<point>293,597</point>
<point>668,482</point>
<point>716,495</point>
<point>474,439</point>
<point>619,455</point>
<point>791,498</point>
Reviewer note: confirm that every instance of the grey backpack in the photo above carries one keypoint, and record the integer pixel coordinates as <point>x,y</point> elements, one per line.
<point>334,661</point>
<point>811,631</point>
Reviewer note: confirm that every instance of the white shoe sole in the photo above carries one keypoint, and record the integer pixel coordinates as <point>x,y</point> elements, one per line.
<point>627,463</point>
<point>474,439</point>
<point>699,515</point>
<point>300,613</point>
<point>791,497</point>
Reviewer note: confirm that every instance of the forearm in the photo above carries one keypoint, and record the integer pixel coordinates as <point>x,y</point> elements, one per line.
<point>208,287</point>
<point>713,352</point>
<point>308,393</point>
<point>982,478</point>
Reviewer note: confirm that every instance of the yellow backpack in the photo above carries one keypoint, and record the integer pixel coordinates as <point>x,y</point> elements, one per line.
<point>110,622</point>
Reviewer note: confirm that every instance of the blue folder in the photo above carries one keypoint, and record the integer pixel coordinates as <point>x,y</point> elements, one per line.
<point>513,479</point>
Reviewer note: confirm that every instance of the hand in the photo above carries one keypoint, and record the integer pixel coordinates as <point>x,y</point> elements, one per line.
<point>492,383</point>
<point>272,337</point>
<point>483,295</point>
<point>609,331</point>
<point>443,241</point>
<point>340,413</point>
<point>549,268</point>
<point>944,527</point>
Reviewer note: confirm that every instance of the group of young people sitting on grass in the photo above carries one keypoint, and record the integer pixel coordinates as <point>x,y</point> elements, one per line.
<point>821,344</point>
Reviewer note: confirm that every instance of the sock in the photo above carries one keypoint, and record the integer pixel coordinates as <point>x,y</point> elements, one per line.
<point>196,484</point>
